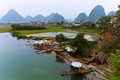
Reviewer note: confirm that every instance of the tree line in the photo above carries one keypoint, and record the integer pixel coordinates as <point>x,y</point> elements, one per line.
<point>26,27</point>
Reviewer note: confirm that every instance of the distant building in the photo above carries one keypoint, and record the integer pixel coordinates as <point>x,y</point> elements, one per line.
<point>76,24</point>
<point>32,23</point>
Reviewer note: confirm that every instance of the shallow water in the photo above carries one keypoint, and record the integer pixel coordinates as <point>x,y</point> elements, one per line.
<point>20,62</point>
<point>67,34</point>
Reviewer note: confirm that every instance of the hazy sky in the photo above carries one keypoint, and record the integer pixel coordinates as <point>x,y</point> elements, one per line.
<point>67,8</point>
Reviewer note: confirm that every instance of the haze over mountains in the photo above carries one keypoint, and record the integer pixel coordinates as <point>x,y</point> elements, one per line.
<point>95,14</point>
<point>14,17</point>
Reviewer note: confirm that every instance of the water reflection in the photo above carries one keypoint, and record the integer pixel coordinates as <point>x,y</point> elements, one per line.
<point>77,76</point>
<point>59,60</point>
<point>67,34</point>
<point>73,77</point>
<point>20,62</point>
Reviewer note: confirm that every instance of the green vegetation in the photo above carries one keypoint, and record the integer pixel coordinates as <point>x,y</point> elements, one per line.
<point>80,43</point>
<point>104,23</point>
<point>26,27</point>
<point>48,29</point>
<point>61,38</point>
<point>111,47</point>
<point>115,60</point>
<point>87,30</point>
<point>112,44</point>
<point>5,29</point>
<point>89,26</point>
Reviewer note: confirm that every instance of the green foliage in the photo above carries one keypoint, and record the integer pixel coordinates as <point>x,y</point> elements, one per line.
<point>90,25</point>
<point>5,29</point>
<point>110,45</point>
<point>15,26</point>
<point>80,43</point>
<point>26,27</point>
<point>104,22</point>
<point>115,59</point>
<point>113,75</point>
<point>87,25</point>
<point>105,19</point>
<point>61,38</point>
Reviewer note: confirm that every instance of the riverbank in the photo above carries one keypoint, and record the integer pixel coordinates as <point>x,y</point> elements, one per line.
<point>94,71</point>
<point>100,68</point>
<point>7,28</point>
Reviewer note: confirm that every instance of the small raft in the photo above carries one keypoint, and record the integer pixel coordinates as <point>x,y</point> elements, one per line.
<point>44,51</point>
<point>72,72</point>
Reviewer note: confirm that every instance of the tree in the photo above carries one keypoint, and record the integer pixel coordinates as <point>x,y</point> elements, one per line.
<point>61,38</point>
<point>80,43</point>
<point>104,22</point>
<point>26,27</point>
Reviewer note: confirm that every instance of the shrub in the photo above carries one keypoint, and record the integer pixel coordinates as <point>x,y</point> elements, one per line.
<point>26,27</point>
<point>61,38</point>
<point>15,26</point>
<point>80,43</point>
<point>115,59</point>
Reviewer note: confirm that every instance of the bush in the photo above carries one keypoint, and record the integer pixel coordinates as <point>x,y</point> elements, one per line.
<point>15,26</point>
<point>115,60</point>
<point>26,27</point>
<point>104,23</point>
<point>80,43</point>
<point>61,38</point>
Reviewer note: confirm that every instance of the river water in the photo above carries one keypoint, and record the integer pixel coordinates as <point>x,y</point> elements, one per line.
<point>20,62</point>
<point>67,34</point>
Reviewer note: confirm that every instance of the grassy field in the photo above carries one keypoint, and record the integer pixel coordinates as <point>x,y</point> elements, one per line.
<point>87,30</point>
<point>5,28</point>
<point>48,29</point>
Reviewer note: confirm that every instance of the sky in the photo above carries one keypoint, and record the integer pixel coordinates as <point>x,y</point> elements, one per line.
<point>67,8</point>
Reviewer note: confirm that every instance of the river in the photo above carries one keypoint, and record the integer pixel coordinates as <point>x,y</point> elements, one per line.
<point>20,62</point>
<point>67,34</point>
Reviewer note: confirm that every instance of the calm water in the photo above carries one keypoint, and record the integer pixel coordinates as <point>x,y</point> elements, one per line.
<point>20,62</point>
<point>67,34</point>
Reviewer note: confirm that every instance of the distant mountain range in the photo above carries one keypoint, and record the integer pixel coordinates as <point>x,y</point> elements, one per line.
<point>14,17</point>
<point>80,17</point>
<point>55,17</point>
<point>95,14</point>
<point>111,13</point>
